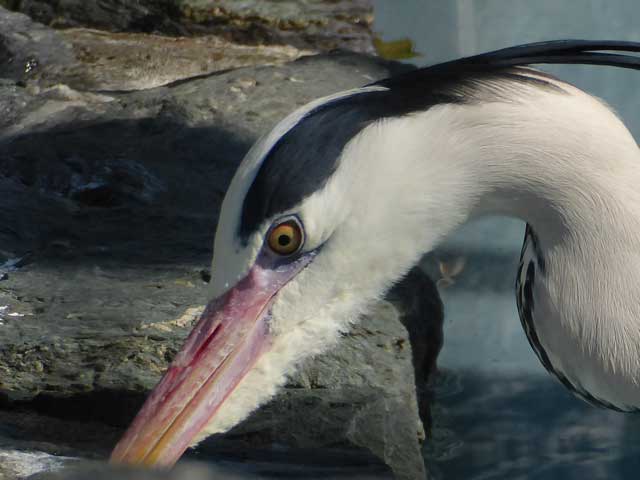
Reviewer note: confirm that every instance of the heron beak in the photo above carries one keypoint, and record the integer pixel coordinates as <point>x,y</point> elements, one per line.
<point>229,338</point>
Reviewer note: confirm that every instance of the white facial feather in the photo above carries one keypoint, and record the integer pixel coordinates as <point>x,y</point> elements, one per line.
<point>231,261</point>
<point>561,161</point>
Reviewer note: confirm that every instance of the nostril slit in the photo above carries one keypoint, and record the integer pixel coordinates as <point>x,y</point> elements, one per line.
<point>205,344</point>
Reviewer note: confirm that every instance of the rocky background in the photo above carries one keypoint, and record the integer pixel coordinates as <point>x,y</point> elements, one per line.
<point>121,125</point>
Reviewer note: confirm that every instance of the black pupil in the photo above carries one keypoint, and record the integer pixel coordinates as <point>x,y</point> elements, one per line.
<point>284,240</point>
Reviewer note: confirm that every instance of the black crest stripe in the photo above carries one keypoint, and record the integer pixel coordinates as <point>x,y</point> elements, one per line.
<point>307,155</point>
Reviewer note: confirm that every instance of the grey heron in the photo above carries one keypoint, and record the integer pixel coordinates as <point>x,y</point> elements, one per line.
<point>345,195</point>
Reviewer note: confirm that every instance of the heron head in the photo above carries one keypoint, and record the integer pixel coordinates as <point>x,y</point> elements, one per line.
<point>307,238</point>
<point>338,202</point>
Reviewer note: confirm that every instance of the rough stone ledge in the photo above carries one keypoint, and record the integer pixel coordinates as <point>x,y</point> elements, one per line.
<point>317,24</point>
<point>87,59</point>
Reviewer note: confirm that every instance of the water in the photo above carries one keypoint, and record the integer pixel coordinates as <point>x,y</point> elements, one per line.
<point>499,415</point>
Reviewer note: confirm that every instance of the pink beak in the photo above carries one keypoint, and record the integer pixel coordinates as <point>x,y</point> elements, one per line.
<point>231,335</point>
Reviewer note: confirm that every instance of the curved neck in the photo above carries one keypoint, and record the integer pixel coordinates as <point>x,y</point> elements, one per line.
<point>562,162</point>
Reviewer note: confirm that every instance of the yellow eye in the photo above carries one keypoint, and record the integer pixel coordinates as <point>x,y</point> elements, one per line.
<point>285,238</point>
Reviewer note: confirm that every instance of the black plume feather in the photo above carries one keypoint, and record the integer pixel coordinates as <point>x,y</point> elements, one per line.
<point>583,52</point>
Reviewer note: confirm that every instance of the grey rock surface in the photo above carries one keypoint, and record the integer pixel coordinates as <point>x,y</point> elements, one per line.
<point>135,61</point>
<point>319,24</point>
<point>27,47</point>
<point>15,464</point>
<point>86,59</point>
<point>109,205</point>
<point>198,471</point>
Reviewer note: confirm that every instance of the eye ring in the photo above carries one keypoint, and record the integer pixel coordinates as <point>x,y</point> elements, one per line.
<point>286,236</point>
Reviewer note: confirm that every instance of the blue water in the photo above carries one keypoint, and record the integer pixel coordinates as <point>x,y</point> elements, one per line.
<point>499,415</point>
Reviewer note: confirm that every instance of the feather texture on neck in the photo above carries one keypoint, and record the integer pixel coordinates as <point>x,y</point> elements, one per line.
<point>558,159</point>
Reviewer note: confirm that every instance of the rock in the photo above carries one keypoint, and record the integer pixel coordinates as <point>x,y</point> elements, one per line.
<point>27,48</point>
<point>17,464</point>
<point>134,61</point>
<point>183,472</point>
<point>321,24</point>
<point>97,60</point>
<point>313,24</point>
<point>109,206</point>
<point>156,161</point>
<point>198,471</point>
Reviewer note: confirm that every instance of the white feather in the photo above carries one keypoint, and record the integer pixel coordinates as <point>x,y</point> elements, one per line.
<point>231,261</point>
<point>560,160</point>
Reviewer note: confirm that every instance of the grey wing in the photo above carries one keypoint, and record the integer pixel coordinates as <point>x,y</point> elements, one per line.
<point>531,261</point>
<point>532,265</point>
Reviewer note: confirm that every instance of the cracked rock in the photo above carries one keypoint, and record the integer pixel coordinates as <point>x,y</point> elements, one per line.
<point>322,25</point>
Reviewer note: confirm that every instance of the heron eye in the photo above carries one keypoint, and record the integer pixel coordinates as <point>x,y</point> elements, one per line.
<point>285,238</point>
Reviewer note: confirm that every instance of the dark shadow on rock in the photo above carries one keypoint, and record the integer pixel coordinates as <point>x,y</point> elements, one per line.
<point>305,459</point>
<point>115,408</point>
<point>132,191</point>
<point>418,294</point>
<point>27,430</point>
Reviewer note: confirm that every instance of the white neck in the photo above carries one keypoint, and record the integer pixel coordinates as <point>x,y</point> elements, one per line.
<point>564,163</point>
<point>561,162</point>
